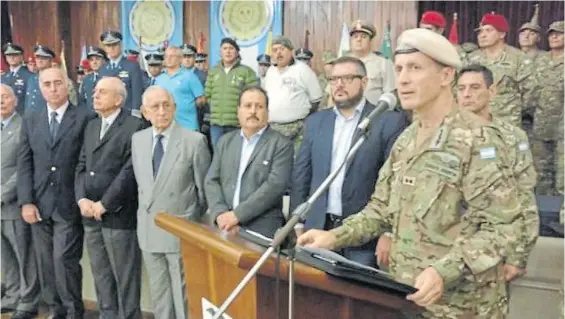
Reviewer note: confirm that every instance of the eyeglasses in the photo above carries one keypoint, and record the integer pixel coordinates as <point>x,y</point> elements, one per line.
<point>346,79</point>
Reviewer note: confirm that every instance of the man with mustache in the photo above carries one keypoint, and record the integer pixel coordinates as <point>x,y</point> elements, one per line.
<point>250,171</point>
<point>328,136</point>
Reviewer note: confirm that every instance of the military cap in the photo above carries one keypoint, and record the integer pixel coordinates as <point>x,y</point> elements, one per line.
<point>31,59</point>
<point>469,47</point>
<point>329,57</point>
<point>284,41</point>
<point>188,49</point>
<point>498,21</point>
<point>154,59</point>
<point>303,54</point>
<point>95,51</point>
<point>264,59</point>
<point>80,70</point>
<point>231,42</point>
<point>12,49</point>
<point>530,26</point>
<point>363,26</point>
<point>434,45</point>
<point>43,51</point>
<point>435,18</point>
<point>556,26</point>
<point>201,57</point>
<point>130,52</point>
<point>85,64</point>
<point>111,37</point>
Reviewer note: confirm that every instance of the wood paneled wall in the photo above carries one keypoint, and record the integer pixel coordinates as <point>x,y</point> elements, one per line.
<point>324,20</point>
<point>82,22</point>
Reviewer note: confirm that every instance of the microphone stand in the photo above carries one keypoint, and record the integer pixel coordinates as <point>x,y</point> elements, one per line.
<point>298,214</point>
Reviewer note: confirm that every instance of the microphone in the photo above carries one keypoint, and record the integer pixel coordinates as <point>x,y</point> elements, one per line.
<point>385,103</point>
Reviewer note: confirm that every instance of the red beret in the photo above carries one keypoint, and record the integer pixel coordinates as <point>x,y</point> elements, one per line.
<point>31,59</point>
<point>85,65</point>
<point>498,21</point>
<point>434,18</point>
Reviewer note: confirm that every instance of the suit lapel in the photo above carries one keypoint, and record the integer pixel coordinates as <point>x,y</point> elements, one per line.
<point>233,158</point>
<point>146,156</point>
<point>262,141</point>
<point>169,158</point>
<point>66,123</point>
<point>111,131</point>
<point>327,140</point>
<point>43,119</point>
<point>12,128</point>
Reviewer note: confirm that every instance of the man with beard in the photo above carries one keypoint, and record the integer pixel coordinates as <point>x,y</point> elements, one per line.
<point>328,135</point>
<point>250,171</point>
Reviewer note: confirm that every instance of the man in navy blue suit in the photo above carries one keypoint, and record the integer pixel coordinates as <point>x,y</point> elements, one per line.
<point>119,66</point>
<point>328,135</point>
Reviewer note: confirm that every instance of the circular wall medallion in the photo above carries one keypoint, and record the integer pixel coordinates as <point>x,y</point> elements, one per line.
<point>246,21</point>
<point>153,21</point>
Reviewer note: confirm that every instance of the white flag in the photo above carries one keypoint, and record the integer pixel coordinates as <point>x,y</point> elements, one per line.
<point>82,54</point>
<point>344,43</point>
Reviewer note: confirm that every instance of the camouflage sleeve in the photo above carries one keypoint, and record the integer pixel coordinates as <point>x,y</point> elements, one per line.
<point>374,219</point>
<point>490,225</point>
<point>528,86</point>
<point>526,177</point>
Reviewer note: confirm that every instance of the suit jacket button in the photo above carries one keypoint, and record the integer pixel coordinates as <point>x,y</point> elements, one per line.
<point>53,168</point>
<point>91,173</point>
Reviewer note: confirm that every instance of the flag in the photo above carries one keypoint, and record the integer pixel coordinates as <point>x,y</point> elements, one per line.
<point>201,41</point>
<point>386,45</point>
<point>269,42</point>
<point>344,43</point>
<point>63,59</point>
<point>82,54</point>
<point>453,36</point>
<point>306,40</point>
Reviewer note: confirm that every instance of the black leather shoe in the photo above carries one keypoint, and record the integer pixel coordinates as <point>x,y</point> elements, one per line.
<point>23,315</point>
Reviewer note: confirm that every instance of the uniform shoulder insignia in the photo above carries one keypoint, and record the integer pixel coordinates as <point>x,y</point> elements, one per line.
<point>523,146</point>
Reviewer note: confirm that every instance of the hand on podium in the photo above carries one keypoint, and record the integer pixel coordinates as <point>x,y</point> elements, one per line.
<point>430,288</point>
<point>317,238</point>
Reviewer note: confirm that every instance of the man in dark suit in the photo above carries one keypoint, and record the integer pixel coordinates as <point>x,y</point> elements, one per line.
<point>96,58</point>
<point>250,171</point>
<point>128,71</point>
<point>18,75</point>
<point>50,146</point>
<point>19,273</point>
<point>106,193</point>
<point>329,134</point>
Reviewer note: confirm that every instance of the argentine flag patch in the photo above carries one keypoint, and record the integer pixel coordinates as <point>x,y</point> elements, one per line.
<point>488,153</point>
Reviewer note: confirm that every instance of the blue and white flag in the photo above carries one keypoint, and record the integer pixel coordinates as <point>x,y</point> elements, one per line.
<point>248,22</point>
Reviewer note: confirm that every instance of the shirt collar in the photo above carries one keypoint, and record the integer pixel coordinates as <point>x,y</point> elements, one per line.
<point>358,109</point>
<point>16,69</point>
<point>116,61</point>
<point>112,117</point>
<point>60,111</point>
<point>8,120</point>
<point>255,136</point>
<point>166,133</point>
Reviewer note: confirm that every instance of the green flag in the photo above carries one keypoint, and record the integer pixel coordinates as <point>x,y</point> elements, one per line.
<point>386,45</point>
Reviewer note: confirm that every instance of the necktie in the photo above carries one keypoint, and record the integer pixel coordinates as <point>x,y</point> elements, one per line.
<point>2,127</point>
<point>153,81</point>
<point>53,125</point>
<point>157,154</point>
<point>103,129</point>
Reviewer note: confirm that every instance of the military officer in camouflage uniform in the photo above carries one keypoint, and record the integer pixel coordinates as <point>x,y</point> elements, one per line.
<point>328,57</point>
<point>513,70</point>
<point>549,112</point>
<point>96,58</point>
<point>380,70</point>
<point>529,36</point>
<point>449,200</point>
<point>474,90</point>
<point>18,75</point>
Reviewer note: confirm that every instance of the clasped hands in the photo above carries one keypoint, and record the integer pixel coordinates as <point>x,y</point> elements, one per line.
<point>227,221</point>
<point>89,208</point>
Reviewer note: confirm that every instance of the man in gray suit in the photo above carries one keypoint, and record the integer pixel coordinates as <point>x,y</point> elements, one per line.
<point>250,171</point>
<point>19,273</point>
<point>170,164</point>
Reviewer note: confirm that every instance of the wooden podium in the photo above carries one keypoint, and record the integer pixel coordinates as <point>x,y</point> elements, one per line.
<point>215,263</point>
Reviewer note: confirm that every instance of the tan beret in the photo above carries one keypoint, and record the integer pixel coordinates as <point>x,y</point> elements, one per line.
<point>434,45</point>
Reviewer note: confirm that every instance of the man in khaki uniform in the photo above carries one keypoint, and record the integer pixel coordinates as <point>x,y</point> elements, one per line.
<point>380,70</point>
<point>328,57</point>
<point>549,112</point>
<point>451,203</point>
<point>529,36</point>
<point>512,70</point>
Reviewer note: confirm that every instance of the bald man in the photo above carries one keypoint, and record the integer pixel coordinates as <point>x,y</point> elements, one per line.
<point>106,193</point>
<point>170,163</point>
<point>50,145</point>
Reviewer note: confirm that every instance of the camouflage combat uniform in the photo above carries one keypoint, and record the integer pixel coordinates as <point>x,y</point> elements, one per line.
<point>560,160</point>
<point>452,204</point>
<point>547,118</point>
<point>513,74</point>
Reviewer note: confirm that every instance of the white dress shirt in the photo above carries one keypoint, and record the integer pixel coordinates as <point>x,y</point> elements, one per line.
<point>60,112</point>
<point>109,120</point>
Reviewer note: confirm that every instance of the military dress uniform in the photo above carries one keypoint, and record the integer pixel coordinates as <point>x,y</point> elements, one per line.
<point>127,71</point>
<point>34,100</point>
<point>304,55</point>
<point>89,82</point>
<point>451,203</point>
<point>547,117</point>
<point>380,70</point>
<point>263,60</point>
<point>152,59</point>
<point>17,80</point>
